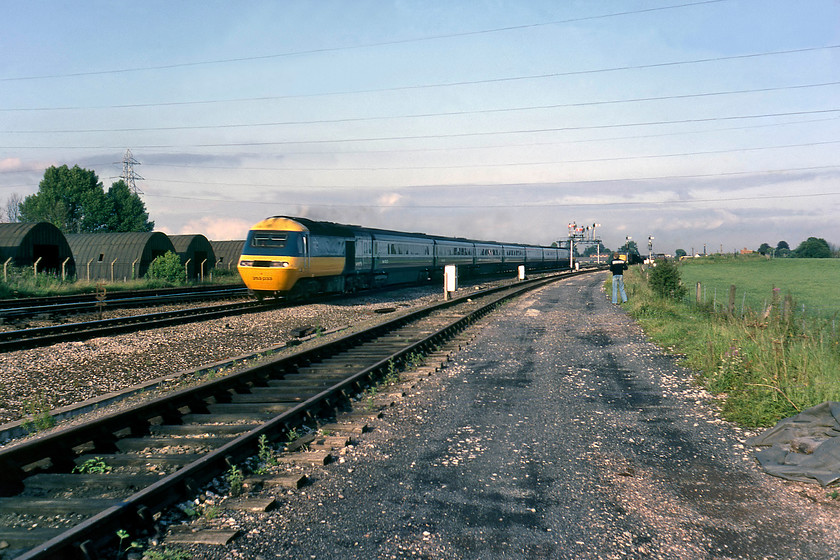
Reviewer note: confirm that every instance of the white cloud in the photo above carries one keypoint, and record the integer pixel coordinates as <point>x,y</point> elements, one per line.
<point>216,229</point>
<point>10,164</point>
<point>390,199</point>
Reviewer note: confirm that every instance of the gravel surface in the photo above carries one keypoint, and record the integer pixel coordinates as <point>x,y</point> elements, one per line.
<point>71,372</point>
<point>558,433</point>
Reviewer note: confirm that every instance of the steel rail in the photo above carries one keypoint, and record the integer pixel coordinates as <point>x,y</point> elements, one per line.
<point>87,303</point>
<point>43,336</point>
<point>91,297</point>
<point>137,510</point>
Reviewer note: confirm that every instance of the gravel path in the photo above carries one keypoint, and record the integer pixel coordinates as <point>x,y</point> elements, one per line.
<point>558,433</point>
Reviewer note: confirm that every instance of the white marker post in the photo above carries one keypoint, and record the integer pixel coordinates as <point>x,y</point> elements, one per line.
<point>521,270</point>
<point>450,280</point>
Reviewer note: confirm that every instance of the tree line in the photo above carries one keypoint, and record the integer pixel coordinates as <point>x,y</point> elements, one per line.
<point>811,248</point>
<point>75,201</point>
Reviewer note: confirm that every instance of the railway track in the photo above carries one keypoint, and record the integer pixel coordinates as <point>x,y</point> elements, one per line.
<point>43,336</point>
<point>166,449</point>
<point>23,308</point>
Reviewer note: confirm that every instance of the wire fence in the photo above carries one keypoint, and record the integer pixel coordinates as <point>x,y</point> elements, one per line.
<point>728,299</point>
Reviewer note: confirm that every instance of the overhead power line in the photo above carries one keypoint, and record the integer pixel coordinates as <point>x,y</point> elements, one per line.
<point>356,47</point>
<point>433,136</point>
<point>551,162</point>
<point>241,168</point>
<point>427,115</point>
<point>551,183</point>
<point>505,145</point>
<point>438,85</point>
<point>534,204</point>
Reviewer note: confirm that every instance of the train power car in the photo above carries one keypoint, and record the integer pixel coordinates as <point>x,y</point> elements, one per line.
<point>298,257</point>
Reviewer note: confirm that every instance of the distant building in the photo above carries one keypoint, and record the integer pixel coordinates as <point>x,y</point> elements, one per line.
<point>746,251</point>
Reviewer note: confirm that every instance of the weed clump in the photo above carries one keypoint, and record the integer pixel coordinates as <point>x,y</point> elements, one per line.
<point>665,282</point>
<point>167,267</point>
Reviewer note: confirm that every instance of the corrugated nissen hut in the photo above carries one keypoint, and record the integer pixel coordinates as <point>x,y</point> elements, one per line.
<point>41,243</point>
<point>195,252</point>
<point>117,256</point>
<point>227,253</point>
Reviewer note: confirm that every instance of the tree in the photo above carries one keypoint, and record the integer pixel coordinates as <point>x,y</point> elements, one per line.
<point>782,249</point>
<point>593,250</point>
<point>71,199</point>
<point>680,253</point>
<point>11,213</point>
<point>813,248</point>
<point>75,201</point>
<point>630,247</point>
<point>127,210</point>
<point>765,249</point>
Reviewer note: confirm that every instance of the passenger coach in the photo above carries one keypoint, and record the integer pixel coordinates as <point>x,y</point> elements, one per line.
<point>286,256</point>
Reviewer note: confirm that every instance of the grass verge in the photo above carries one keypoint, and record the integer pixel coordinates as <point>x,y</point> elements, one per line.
<point>765,367</point>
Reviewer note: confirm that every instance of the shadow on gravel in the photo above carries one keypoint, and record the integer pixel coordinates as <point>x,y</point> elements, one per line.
<point>730,508</point>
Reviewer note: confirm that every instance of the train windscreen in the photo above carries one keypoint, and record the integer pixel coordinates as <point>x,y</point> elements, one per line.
<point>279,243</point>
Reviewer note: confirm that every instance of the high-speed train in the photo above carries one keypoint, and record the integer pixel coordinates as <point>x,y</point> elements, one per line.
<point>299,257</point>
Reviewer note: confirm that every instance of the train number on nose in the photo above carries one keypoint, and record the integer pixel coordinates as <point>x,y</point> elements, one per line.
<point>258,278</point>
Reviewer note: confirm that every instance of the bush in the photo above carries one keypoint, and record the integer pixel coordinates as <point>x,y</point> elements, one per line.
<point>168,267</point>
<point>665,282</point>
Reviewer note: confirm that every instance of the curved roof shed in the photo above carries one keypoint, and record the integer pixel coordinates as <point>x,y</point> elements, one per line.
<point>197,250</point>
<point>117,256</point>
<point>26,243</point>
<point>227,253</point>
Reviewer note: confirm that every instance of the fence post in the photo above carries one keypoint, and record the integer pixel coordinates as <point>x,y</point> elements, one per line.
<point>63,269</point>
<point>5,266</point>
<point>698,294</point>
<point>112,270</point>
<point>731,307</point>
<point>187,269</point>
<point>774,302</point>
<point>788,307</point>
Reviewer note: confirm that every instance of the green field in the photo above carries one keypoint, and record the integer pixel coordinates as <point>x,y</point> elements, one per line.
<point>813,283</point>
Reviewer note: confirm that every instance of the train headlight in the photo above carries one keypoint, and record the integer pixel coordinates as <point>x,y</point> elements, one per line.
<point>246,263</point>
<point>279,264</point>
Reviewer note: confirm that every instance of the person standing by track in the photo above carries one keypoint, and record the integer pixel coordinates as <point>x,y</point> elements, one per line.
<point>617,267</point>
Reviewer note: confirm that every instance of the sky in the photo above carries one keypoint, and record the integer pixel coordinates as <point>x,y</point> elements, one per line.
<point>700,124</point>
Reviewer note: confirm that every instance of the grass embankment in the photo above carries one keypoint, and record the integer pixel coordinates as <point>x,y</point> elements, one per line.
<point>766,366</point>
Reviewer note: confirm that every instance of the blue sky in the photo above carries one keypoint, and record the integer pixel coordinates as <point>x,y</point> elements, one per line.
<point>698,123</point>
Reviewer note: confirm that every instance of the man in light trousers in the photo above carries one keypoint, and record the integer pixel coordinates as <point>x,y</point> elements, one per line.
<point>617,267</point>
